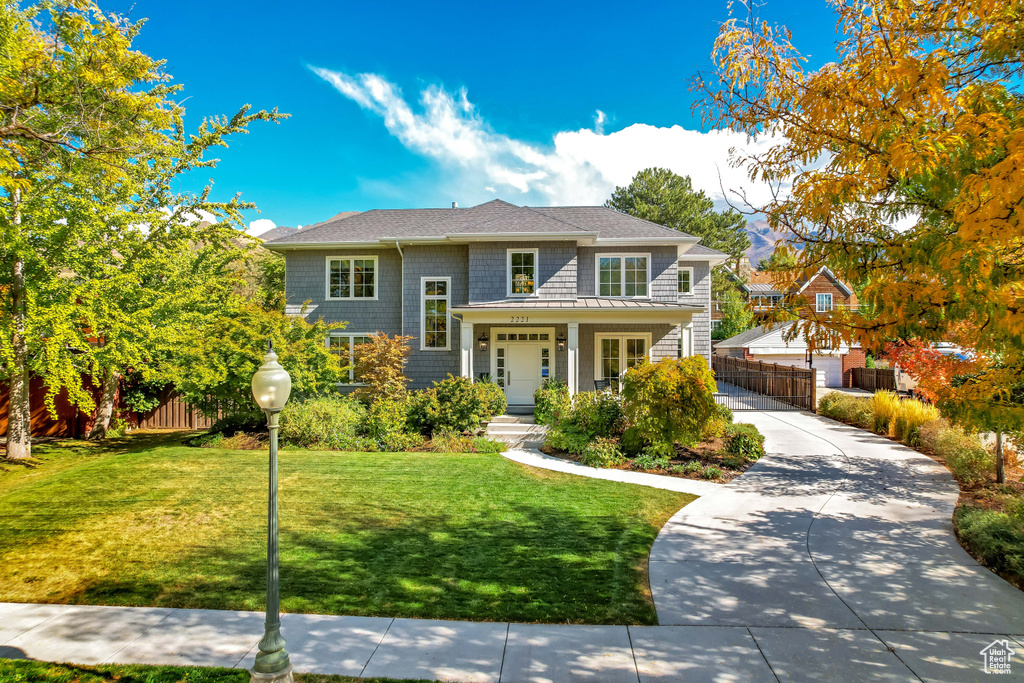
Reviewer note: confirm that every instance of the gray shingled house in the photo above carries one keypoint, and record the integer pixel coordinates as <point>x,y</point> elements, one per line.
<point>518,293</point>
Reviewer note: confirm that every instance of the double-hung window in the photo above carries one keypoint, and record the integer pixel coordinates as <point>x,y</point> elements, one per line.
<point>623,275</point>
<point>344,347</point>
<point>522,272</point>
<point>436,295</point>
<point>616,353</point>
<point>824,302</point>
<point>352,277</point>
<point>686,280</point>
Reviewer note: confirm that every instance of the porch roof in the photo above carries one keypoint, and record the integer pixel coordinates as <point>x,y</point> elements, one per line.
<point>583,309</point>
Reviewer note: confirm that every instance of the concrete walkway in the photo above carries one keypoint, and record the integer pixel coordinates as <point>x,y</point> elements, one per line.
<point>831,559</point>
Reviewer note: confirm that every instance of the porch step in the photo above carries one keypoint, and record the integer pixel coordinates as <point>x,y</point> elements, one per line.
<point>516,430</point>
<point>513,419</point>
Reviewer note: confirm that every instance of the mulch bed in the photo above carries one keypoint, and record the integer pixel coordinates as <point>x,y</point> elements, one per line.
<point>706,453</point>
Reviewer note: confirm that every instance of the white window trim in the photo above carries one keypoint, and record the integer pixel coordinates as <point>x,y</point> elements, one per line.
<point>687,269</point>
<point>351,355</point>
<point>817,302</point>
<point>622,272</point>
<point>423,314</point>
<point>376,279</point>
<point>508,272</point>
<point>622,337</point>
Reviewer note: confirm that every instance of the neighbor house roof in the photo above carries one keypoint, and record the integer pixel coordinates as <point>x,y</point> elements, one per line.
<point>485,221</point>
<point>744,339</point>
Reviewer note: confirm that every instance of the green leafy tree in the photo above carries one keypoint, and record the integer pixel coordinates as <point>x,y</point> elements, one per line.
<point>736,315</point>
<point>666,198</point>
<point>96,246</point>
<point>669,401</point>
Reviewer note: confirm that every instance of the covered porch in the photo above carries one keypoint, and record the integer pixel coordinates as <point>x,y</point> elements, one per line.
<point>584,341</point>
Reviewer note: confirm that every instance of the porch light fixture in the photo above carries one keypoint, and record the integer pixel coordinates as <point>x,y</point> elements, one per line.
<point>271,386</point>
<point>561,341</point>
<point>482,341</point>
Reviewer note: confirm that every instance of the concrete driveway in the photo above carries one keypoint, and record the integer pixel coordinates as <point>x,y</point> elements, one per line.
<point>836,554</point>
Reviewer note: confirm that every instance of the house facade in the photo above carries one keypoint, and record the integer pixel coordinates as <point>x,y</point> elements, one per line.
<point>518,294</point>
<point>823,292</point>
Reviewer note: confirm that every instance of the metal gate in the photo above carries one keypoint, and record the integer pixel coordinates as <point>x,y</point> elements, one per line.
<point>764,390</point>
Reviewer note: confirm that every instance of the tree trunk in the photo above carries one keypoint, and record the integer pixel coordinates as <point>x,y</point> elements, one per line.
<point>106,409</point>
<point>1000,461</point>
<point>19,412</point>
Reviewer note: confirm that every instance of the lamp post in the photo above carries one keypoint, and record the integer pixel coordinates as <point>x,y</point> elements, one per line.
<point>271,386</point>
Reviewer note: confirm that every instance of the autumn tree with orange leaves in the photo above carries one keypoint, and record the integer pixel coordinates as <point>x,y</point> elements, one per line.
<point>900,166</point>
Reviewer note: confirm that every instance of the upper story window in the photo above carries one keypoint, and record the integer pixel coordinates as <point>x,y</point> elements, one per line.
<point>352,277</point>
<point>434,308</point>
<point>765,301</point>
<point>686,280</point>
<point>623,275</point>
<point>522,272</point>
<point>824,302</point>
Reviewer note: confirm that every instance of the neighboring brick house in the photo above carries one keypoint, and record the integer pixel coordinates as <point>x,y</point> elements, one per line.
<point>516,293</point>
<point>824,292</point>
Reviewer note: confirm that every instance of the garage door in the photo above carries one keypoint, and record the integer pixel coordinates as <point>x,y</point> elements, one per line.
<point>830,366</point>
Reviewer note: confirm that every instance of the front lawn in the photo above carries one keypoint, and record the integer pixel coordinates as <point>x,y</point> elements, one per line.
<point>20,671</point>
<point>147,521</point>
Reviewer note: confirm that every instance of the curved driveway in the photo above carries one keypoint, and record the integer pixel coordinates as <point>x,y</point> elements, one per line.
<point>836,553</point>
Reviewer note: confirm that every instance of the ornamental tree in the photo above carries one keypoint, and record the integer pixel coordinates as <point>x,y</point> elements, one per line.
<point>669,401</point>
<point>900,165</point>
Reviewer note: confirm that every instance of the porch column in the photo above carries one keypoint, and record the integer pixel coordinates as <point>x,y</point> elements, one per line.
<point>466,368</point>
<point>574,358</point>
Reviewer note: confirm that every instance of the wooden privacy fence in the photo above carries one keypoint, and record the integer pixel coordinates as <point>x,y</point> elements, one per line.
<point>756,385</point>
<point>874,379</point>
<point>173,413</point>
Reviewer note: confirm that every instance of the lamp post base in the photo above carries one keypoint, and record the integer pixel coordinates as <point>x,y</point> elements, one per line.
<point>283,676</point>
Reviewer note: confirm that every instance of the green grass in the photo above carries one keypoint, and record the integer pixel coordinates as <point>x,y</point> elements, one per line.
<point>146,521</point>
<point>17,671</point>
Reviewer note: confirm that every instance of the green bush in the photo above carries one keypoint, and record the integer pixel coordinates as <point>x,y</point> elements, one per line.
<point>249,422</point>
<point>647,461</point>
<point>632,442</point>
<point>996,538</point>
<point>693,467</point>
<point>492,399</point>
<point>567,438</point>
<point>670,401</point>
<point>745,440</point>
<point>846,408</point>
<point>969,462</point>
<point>385,426</point>
<point>328,422</point>
<point>551,401</point>
<point>421,412</point>
<point>598,413</point>
<point>602,452</point>
<point>711,472</point>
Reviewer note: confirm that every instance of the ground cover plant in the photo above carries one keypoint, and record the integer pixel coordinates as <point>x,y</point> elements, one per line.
<point>146,521</point>
<point>26,671</point>
<point>989,518</point>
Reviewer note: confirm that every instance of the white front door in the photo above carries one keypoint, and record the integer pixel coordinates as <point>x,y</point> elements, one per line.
<point>523,373</point>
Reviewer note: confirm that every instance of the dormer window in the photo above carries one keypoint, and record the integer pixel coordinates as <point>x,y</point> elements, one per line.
<point>623,275</point>
<point>522,272</point>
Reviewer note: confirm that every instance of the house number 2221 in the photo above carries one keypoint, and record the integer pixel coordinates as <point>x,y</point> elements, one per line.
<point>520,318</point>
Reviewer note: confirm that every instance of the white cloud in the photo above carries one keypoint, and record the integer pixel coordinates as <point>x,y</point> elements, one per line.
<point>580,167</point>
<point>260,226</point>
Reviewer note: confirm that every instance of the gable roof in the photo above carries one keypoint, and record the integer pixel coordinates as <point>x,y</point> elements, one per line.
<point>763,282</point>
<point>744,339</point>
<point>484,221</point>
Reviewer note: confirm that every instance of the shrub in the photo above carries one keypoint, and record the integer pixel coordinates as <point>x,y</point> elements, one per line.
<point>481,444</point>
<point>421,411</point>
<point>602,452</point>
<point>693,467</point>
<point>552,402</point>
<point>249,422</point>
<point>328,422</point>
<point>723,413</point>
<point>711,472</point>
<point>885,405</point>
<point>845,408</point>
<point>996,538</point>
<point>386,426</point>
<point>965,456</point>
<point>745,440</point>
<point>492,399</point>
<point>598,413</point>
<point>650,462</point>
<point>447,441</point>
<point>632,442</point>
<point>567,438</point>
<point>380,366</point>
<point>660,450</point>
<point>670,401</point>
<point>459,404</point>
<point>911,416</point>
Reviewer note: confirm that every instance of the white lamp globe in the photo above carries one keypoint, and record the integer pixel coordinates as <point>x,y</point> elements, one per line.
<point>271,385</point>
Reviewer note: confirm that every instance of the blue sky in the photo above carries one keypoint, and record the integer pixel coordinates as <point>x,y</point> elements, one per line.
<point>514,92</point>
